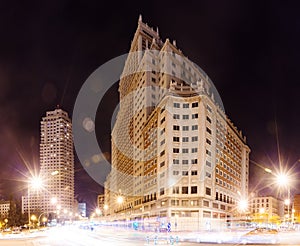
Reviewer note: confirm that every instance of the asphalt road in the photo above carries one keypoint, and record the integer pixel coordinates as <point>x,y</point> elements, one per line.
<point>73,236</point>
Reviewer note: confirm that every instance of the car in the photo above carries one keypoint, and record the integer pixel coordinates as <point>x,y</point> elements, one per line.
<point>16,230</point>
<point>260,235</point>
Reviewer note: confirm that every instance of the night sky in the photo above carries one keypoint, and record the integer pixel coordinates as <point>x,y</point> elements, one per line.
<point>250,50</point>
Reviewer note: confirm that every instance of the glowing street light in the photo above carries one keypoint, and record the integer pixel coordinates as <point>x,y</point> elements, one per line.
<point>36,183</point>
<point>243,205</point>
<point>282,179</point>
<point>120,200</point>
<point>98,211</point>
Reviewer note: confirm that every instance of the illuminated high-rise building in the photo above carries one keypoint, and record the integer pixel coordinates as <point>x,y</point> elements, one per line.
<point>176,156</point>
<point>56,167</point>
<point>57,160</point>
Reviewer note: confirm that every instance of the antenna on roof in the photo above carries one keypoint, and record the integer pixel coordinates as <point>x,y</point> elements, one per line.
<point>140,18</point>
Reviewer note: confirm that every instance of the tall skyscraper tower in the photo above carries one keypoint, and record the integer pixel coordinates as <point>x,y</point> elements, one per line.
<point>57,161</point>
<point>176,156</point>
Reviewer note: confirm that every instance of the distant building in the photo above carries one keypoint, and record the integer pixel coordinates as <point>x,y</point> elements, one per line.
<point>56,166</point>
<point>266,209</point>
<point>4,207</point>
<point>82,209</point>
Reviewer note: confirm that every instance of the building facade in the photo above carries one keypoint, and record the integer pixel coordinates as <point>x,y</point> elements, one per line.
<point>296,209</point>
<point>56,166</point>
<point>266,209</point>
<point>4,208</point>
<point>176,156</point>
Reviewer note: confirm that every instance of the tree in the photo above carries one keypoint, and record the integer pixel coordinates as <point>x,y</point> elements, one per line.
<point>14,217</point>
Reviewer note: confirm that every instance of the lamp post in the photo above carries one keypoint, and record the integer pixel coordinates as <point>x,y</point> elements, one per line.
<point>105,209</point>
<point>284,181</point>
<point>35,183</point>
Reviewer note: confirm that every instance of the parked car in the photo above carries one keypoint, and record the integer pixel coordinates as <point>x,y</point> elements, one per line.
<point>16,230</point>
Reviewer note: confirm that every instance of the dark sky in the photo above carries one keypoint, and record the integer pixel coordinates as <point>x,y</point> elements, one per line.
<point>250,50</point>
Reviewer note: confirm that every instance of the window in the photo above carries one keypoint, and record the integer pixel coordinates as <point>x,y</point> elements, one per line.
<point>194,203</point>
<point>206,204</point>
<point>185,117</point>
<point>162,191</point>
<point>185,162</point>
<point>176,128</point>
<point>194,116</point>
<point>185,139</point>
<point>208,119</point>
<point>185,173</point>
<point>175,173</point>
<point>162,164</point>
<point>184,190</point>
<point>195,127</point>
<point>208,130</point>
<point>162,142</point>
<point>185,128</point>
<point>175,161</point>
<point>194,150</point>
<point>208,175</point>
<point>195,138</point>
<point>194,190</point>
<point>208,141</point>
<point>208,191</point>
<point>185,105</point>
<point>208,163</point>
<point>175,150</point>
<point>176,105</point>
<point>176,116</point>
<point>162,153</point>
<point>194,161</point>
<point>194,104</point>
<point>208,152</point>
<point>185,150</point>
<point>176,190</point>
<point>175,139</point>
<point>194,173</point>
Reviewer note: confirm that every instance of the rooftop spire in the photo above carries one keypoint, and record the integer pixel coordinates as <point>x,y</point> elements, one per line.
<point>140,18</point>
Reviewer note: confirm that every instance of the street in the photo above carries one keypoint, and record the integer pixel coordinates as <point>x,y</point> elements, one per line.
<point>106,236</point>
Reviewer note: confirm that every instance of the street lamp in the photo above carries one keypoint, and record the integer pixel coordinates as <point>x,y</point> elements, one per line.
<point>283,180</point>
<point>34,183</point>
